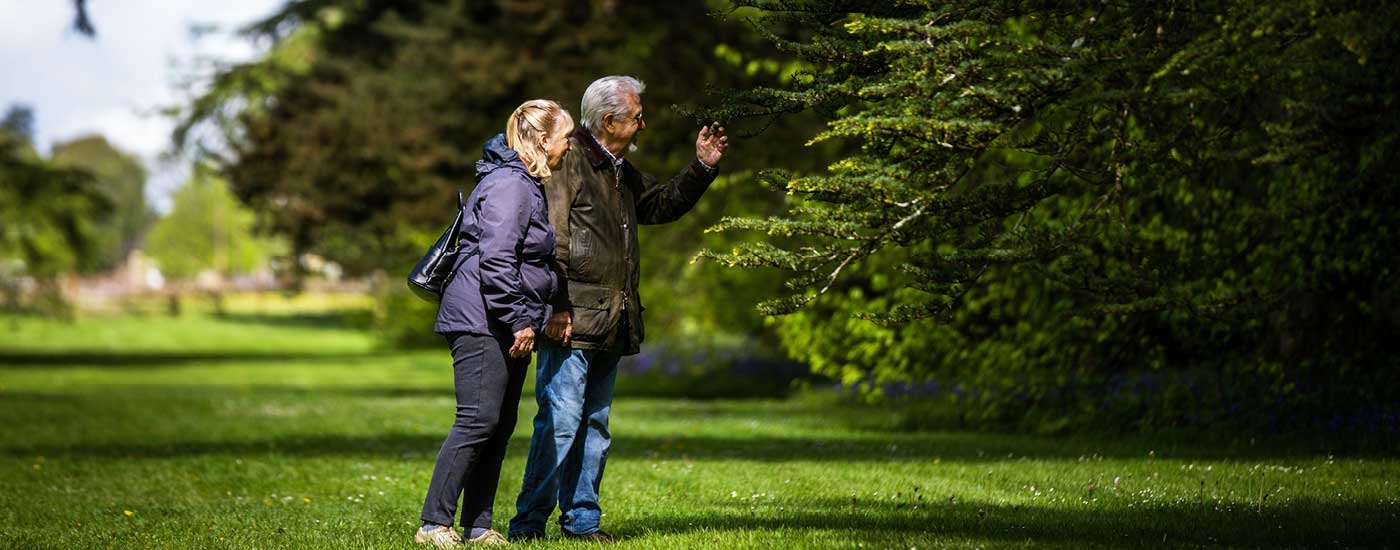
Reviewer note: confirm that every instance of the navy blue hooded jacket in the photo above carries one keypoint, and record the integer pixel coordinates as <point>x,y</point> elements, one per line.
<point>506,285</point>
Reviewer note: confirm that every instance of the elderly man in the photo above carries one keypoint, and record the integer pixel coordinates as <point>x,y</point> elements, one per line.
<point>596,202</point>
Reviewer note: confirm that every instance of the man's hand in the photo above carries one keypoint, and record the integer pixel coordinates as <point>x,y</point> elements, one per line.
<point>711,144</point>
<point>560,327</point>
<point>524,342</point>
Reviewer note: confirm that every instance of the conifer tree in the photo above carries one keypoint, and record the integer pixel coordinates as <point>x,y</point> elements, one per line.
<point>1044,192</point>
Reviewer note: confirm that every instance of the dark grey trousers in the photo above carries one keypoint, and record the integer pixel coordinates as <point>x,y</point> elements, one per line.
<point>488,383</point>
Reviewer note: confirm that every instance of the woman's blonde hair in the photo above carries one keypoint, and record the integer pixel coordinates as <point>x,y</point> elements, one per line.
<point>531,121</point>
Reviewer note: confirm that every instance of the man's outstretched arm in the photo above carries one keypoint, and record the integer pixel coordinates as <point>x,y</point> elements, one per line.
<point>664,203</point>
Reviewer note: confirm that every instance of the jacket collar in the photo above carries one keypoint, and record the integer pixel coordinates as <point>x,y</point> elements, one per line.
<point>496,155</point>
<point>592,150</point>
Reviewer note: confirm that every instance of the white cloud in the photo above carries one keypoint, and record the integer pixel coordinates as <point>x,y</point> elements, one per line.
<point>144,135</point>
<point>114,84</point>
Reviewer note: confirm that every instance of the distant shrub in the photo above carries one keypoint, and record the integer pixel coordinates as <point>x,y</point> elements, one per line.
<point>405,321</point>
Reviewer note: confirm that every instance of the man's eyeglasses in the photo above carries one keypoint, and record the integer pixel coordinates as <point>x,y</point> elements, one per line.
<point>635,118</point>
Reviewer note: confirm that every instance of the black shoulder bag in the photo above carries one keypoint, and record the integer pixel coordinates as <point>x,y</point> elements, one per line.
<point>430,277</point>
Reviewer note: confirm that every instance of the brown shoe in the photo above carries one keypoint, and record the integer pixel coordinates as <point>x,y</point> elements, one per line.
<point>441,536</point>
<point>597,536</point>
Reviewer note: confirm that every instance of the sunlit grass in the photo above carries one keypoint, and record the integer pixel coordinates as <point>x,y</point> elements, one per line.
<point>300,436</point>
<point>252,328</point>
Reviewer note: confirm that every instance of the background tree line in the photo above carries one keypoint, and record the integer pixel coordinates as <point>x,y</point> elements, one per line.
<point>83,210</point>
<point>1038,214</point>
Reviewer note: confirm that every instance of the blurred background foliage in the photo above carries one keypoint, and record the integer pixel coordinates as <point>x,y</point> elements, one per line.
<point>122,179</point>
<point>208,229</point>
<point>352,136</point>
<point>49,220</point>
<point>1045,216</point>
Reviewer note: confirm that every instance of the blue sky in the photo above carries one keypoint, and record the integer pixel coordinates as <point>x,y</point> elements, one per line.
<point>115,84</point>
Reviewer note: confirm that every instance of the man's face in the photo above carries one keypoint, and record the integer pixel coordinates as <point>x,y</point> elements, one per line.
<point>625,125</point>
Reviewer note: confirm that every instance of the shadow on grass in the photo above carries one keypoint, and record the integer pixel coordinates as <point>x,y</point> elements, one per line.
<point>845,445</point>
<point>965,447</point>
<point>1300,523</point>
<point>950,449</point>
<point>309,446</point>
<point>327,320</point>
<point>125,359</point>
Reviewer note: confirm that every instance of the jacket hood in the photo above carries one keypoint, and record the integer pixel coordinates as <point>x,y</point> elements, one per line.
<point>495,155</point>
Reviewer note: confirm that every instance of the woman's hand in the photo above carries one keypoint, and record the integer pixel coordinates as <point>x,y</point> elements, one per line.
<point>560,327</point>
<point>524,342</point>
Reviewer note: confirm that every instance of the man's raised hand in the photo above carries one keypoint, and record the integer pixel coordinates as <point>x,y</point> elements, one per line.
<point>711,144</point>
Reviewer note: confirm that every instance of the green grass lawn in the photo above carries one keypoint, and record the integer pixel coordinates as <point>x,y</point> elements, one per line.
<point>287,432</point>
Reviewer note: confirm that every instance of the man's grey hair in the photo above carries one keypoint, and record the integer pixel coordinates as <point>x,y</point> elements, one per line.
<point>606,96</point>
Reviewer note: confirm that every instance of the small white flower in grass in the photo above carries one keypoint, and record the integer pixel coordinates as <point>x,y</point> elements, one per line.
<point>734,494</point>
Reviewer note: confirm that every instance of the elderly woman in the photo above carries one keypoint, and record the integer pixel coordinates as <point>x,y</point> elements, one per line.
<point>490,314</point>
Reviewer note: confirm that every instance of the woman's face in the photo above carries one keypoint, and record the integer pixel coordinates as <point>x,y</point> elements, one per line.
<point>556,145</point>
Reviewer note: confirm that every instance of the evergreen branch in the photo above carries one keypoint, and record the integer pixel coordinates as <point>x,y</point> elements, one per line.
<point>905,313</point>
<point>870,246</point>
<point>783,227</point>
<point>783,306</point>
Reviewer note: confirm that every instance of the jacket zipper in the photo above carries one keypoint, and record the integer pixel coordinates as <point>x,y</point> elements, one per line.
<point>626,238</point>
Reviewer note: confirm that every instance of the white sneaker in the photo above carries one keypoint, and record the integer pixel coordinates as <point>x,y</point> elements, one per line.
<point>490,538</point>
<point>441,536</point>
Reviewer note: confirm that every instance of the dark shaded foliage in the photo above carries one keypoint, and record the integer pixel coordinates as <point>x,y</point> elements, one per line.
<point>1052,196</point>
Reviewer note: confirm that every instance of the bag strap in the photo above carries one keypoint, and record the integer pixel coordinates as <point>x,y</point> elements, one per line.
<point>473,249</point>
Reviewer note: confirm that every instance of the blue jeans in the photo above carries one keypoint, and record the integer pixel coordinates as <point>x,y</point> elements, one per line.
<point>574,389</point>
